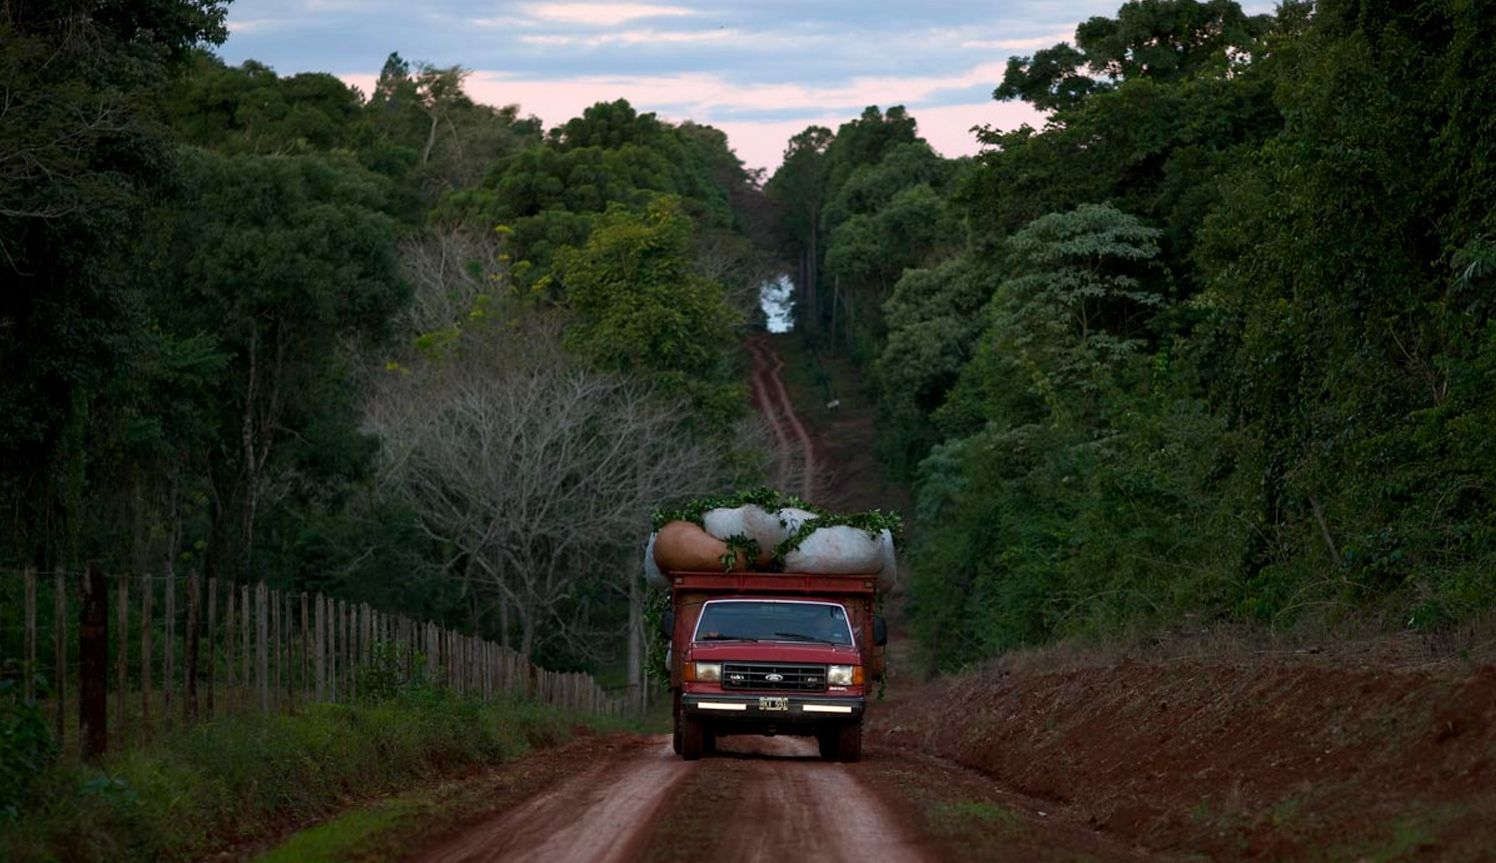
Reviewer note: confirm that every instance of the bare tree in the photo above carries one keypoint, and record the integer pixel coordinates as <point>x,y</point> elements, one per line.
<point>736,264</point>
<point>449,266</point>
<point>538,472</point>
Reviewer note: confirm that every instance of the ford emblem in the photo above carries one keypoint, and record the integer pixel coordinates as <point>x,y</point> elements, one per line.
<point>773,678</point>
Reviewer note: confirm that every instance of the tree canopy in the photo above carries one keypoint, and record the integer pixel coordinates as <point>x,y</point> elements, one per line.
<point>223,286</point>
<point>1207,346</point>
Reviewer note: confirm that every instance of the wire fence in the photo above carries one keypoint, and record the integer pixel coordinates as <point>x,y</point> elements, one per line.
<point>120,658</point>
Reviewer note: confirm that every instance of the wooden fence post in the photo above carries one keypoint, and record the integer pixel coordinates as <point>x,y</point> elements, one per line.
<point>212,642</point>
<point>350,647</point>
<point>190,655</point>
<point>347,653</point>
<point>29,576</point>
<point>93,669</point>
<point>306,651</point>
<point>60,651</point>
<point>122,655</point>
<point>146,659</point>
<point>262,655</point>
<point>246,620</point>
<point>169,660</point>
<point>333,646</point>
<point>333,669</point>
<point>231,633</point>
<point>288,624</point>
<point>275,649</point>
<point>320,646</point>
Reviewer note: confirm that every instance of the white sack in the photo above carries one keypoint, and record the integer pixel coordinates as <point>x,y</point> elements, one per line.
<point>765,527</point>
<point>724,523</point>
<point>888,571</point>
<point>791,518</point>
<point>749,520</point>
<point>836,550</point>
<point>652,573</point>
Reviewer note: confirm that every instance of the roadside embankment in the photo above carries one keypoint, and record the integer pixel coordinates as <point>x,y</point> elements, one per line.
<point>1298,757</point>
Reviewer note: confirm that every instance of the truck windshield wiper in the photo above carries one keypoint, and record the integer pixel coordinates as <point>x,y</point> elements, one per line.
<point>728,638</point>
<point>796,636</point>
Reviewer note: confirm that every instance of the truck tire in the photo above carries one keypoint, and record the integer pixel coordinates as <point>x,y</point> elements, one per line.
<point>849,742</point>
<point>826,741</point>
<point>692,738</point>
<point>675,724</point>
<point>708,740</point>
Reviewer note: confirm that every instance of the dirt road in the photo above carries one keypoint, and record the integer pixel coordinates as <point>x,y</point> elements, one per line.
<point>785,803</point>
<point>796,462</point>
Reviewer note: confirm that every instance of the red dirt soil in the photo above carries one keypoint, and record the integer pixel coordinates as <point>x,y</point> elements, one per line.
<point>795,450</point>
<point>599,813</point>
<point>1271,761</point>
<point>1327,758</point>
<point>783,802</point>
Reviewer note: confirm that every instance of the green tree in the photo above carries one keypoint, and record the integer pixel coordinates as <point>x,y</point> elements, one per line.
<point>641,309</point>
<point>798,190</point>
<point>551,195</point>
<point>1344,270</point>
<point>286,259</point>
<point>82,155</point>
<point>934,318</point>
<point>1161,40</point>
<point>817,166</point>
<point>250,109</point>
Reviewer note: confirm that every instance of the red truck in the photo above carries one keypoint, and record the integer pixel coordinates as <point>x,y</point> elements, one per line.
<point>772,653</point>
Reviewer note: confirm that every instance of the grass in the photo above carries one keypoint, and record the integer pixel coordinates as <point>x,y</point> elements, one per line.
<point>353,835</point>
<point>246,778</point>
<point>955,817</point>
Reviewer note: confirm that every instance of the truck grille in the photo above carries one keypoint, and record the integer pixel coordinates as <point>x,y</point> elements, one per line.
<point>794,678</point>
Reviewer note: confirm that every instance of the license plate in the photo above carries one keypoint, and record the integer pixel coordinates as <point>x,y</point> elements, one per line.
<point>773,704</point>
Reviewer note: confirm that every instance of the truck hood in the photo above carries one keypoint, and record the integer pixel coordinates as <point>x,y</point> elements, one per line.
<point>775,651</point>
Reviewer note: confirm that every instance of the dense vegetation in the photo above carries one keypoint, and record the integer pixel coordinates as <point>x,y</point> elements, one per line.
<point>1215,344</point>
<point>245,779</point>
<point>250,322</point>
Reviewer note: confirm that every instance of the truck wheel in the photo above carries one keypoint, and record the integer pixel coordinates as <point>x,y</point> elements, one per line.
<point>708,740</point>
<point>675,725</point>
<point>849,742</point>
<point>692,738</point>
<point>826,740</point>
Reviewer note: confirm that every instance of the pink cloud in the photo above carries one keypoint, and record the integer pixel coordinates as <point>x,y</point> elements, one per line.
<point>760,144</point>
<point>599,14</point>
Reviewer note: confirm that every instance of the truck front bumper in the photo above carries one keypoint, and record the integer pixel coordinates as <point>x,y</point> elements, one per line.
<point>762,709</point>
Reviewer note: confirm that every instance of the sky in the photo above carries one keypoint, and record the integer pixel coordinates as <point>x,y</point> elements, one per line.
<point>760,71</point>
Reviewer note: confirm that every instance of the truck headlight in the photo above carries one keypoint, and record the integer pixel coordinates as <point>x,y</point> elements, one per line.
<point>708,672</point>
<point>844,675</point>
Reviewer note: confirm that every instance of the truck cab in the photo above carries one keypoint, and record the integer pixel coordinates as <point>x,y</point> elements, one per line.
<point>772,653</point>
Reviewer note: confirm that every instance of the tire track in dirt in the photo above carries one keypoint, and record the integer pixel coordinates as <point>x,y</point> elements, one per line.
<point>601,814</point>
<point>762,398</point>
<point>793,805</point>
<point>779,412</point>
<point>785,804</point>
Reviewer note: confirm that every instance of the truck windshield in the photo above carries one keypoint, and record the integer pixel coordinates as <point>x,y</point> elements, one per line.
<point>773,620</point>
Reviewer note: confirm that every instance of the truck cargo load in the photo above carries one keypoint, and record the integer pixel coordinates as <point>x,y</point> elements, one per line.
<point>751,537</point>
<point>773,624</point>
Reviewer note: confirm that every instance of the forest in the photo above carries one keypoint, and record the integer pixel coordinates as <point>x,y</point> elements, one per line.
<point>1212,347</point>
<point>396,346</point>
<point>1184,393</point>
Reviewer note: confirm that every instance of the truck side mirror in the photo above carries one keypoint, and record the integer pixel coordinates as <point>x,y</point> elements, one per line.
<point>880,631</point>
<point>667,625</point>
